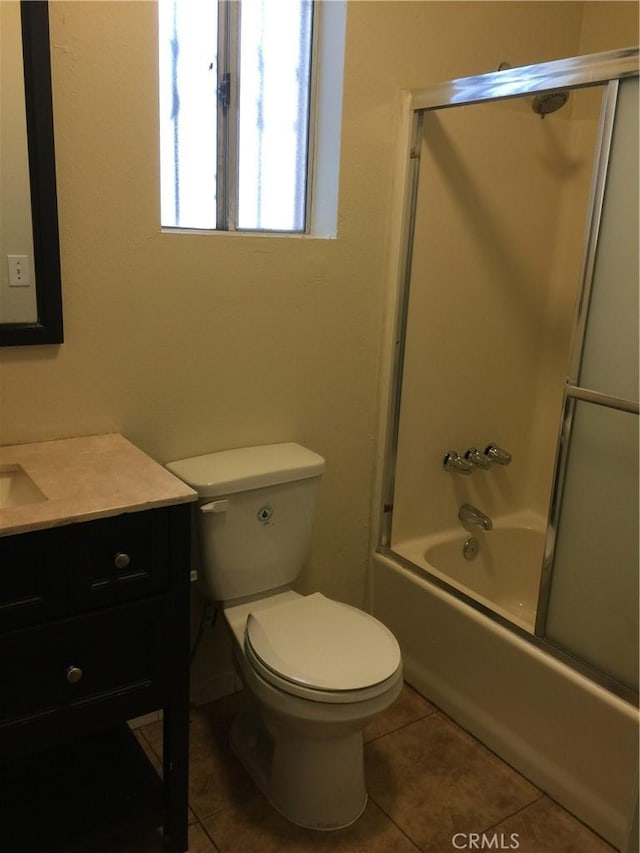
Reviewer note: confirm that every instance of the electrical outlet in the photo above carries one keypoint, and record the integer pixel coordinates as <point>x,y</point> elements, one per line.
<point>19,271</point>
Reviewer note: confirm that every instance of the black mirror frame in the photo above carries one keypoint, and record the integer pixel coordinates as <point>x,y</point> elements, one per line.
<point>48,328</point>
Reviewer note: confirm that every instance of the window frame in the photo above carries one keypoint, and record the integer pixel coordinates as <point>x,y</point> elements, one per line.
<point>325,95</point>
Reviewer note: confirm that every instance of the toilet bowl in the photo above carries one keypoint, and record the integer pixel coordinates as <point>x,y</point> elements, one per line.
<point>316,671</point>
<point>300,737</point>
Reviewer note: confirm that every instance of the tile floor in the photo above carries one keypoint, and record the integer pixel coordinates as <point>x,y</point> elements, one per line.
<point>427,780</point>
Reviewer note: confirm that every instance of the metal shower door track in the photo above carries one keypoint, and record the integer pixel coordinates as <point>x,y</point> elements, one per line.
<point>577,72</point>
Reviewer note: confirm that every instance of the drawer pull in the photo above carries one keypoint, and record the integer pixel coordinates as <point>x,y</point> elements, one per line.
<point>121,560</point>
<point>74,674</point>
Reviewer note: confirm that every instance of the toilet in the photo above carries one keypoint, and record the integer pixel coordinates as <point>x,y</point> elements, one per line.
<point>316,671</point>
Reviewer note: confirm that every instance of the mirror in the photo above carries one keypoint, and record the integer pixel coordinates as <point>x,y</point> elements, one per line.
<point>30,281</point>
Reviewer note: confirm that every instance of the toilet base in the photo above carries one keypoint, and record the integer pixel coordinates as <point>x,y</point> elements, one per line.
<point>315,782</point>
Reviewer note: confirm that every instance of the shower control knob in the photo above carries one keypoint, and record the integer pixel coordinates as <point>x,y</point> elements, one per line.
<point>480,460</point>
<point>456,464</point>
<point>497,455</point>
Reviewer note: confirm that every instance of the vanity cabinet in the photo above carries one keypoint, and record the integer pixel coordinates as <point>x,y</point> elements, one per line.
<point>94,631</point>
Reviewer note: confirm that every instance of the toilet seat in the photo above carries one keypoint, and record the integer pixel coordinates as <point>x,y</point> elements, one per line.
<point>322,650</point>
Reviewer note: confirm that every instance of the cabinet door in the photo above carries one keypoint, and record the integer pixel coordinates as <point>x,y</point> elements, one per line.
<point>119,559</point>
<point>82,660</point>
<point>30,681</point>
<point>115,651</point>
<point>34,580</point>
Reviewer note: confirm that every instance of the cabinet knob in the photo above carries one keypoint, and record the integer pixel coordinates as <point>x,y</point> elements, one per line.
<point>74,674</point>
<point>121,560</point>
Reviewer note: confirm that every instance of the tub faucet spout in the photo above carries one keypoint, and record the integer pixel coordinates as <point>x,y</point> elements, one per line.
<point>472,518</point>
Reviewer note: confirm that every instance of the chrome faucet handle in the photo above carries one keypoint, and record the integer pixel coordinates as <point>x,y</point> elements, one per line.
<point>456,464</point>
<point>497,455</point>
<point>480,460</point>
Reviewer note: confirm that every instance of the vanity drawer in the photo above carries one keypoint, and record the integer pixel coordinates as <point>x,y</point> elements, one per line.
<point>82,660</point>
<point>33,579</point>
<point>118,559</point>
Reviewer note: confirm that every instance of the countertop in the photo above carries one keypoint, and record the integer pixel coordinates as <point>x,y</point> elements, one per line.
<point>86,478</point>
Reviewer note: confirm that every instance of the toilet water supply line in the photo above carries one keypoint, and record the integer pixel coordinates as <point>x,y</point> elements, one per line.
<point>207,619</point>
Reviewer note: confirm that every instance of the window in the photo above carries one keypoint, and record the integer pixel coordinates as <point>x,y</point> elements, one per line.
<point>235,114</point>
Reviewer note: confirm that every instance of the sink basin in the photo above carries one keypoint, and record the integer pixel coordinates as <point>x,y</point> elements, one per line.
<point>17,487</point>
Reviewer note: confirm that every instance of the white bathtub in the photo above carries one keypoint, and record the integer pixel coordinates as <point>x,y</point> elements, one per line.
<point>504,575</point>
<point>570,737</point>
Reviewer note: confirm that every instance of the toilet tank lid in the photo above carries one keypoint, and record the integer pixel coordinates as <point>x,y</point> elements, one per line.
<point>228,471</point>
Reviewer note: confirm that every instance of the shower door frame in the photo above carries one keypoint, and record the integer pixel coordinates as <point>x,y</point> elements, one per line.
<point>604,69</point>
<point>574,391</point>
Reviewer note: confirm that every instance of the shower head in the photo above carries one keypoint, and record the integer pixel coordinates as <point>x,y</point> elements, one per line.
<point>549,102</point>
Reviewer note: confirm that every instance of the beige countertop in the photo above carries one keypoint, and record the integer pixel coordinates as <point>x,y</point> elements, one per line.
<point>84,478</point>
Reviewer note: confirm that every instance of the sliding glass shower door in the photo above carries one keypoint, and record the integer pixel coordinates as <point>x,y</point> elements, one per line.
<point>591,577</point>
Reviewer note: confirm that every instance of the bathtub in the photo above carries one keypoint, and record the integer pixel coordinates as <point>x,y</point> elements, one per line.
<point>570,737</point>
<point>499,569</point>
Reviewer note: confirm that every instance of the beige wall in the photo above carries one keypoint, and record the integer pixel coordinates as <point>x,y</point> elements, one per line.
<point>193,343</point>
<point>608,25</point>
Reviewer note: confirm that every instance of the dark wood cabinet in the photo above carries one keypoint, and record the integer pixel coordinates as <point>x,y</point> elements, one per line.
<point>32,589</point>
<point>94,630</point>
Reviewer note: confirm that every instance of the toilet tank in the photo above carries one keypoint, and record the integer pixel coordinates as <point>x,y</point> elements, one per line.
<point>254,515</point>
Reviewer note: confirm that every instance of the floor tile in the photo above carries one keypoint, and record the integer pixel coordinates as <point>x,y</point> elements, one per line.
<point>427,780</point>
<point>199,841</point>
<point>149,751</point>
<point>256,827</point>
<point>408,707</point>
<point>545,826</point>
<point>216,777</point>
<point>434,780</point>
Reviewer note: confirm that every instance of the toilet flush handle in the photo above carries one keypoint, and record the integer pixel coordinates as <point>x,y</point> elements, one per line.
<point>215,506</point>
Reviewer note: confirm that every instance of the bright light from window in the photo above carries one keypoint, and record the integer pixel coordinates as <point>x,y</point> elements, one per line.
<point>268,191</point>
<point>274,114</point>
<point>188,39</point>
